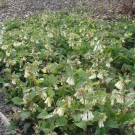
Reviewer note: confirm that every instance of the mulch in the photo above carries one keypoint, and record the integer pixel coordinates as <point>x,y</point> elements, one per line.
<point>26,8</point>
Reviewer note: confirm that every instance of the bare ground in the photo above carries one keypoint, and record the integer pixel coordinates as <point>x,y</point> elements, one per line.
<point>25,8</point>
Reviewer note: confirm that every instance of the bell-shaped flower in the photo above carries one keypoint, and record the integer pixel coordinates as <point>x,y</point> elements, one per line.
<point>14,81</point>
<point>80,93</point>
<point>87,116</point>
<point>89,88</point>
<point>84,116</point>
<point>101,124</point>
<point>120,85</point>
<point>26,73</point>
<point>120,99</point>
<point>102,119</point>
<point>60,111</point>
<point>49,101</point>
<point>93,76</point>
<point>69,101</point>
<point>44,70</point>
<point>43,95</point>
<point>52,133</point>
<point>70,81</point>
<point>103,100</point>
<point>100,75</point>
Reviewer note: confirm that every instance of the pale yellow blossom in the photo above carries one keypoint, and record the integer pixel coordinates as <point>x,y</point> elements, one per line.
<point>70,81</point>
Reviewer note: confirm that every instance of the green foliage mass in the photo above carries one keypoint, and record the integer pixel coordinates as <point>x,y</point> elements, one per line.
<point>67,73</point>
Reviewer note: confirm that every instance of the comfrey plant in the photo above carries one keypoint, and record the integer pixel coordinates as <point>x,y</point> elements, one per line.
<point>68,73</point>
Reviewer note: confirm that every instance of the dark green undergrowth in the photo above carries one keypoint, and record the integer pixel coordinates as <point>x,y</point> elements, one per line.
<point>69,74</point>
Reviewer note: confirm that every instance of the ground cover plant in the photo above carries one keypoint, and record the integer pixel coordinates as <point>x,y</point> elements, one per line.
<point>69,74</point>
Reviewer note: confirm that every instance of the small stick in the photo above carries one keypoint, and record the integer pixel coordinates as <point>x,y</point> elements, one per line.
<point>4,119</point>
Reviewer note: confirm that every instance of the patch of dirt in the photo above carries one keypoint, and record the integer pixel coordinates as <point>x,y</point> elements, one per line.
<point>3,130</point>
<point>5,109</point>
<point>26,8</point>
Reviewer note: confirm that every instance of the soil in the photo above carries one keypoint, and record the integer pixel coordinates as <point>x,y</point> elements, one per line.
<point>26,8</point>
<point>5,109</point>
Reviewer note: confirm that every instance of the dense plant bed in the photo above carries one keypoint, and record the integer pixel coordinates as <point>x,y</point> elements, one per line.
<point>68,74</point>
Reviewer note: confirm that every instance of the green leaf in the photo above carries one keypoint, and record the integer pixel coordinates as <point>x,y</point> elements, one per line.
<point>17,100</point>
<point>129,103</point>
<point>81,73</point>
<point>25,115</point>
<point>51,93</point>
<point>32,94</point>
<point>26,127</point>
<point>1,80</point>
<point>81,124</point>
<point>52,79</point>
<point>126,117</point>
<point>112,124</point>
<point>98,132</point>
<point>77,117</point>
<point>61,122</point>
<point>45,115</point>
<point>47,130</point>
<point>60,103</point>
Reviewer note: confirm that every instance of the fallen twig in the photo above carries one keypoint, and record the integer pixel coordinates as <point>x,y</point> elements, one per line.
<point>4,119</point>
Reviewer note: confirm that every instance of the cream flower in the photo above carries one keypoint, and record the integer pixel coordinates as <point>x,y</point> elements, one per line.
<point>56,87</point>
<point>101,124</point>
<point>80,93</point>
<point>87,116</point>
<point>49,101</point>
<point>102,119</point>
<point>70,81</point>
<point>69,101</point>
<point>13,81</point>
<point>119,85</point>
<point>60,111</point>
<point>117,96</point>
<point>127,81</point>
<point>7,53</point>
<point>113,96</point>
<point>43,95</point>
<point>94,101</point>
<point>120,99</point>
<point>52,133</point>
<point>89,88</point>
<point>4,47</point>
<point>100,75</point>
<point>93,76</point>
<point>26,73</point>
<point>90,115</point>
<point>25,98</point>
<point>84,117</point>
<point>103,100</point>
<point>45,70</point>
<point>33,107</point>
<point>24,58</point>
<point>82,100</point>
<point>108,64</point>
